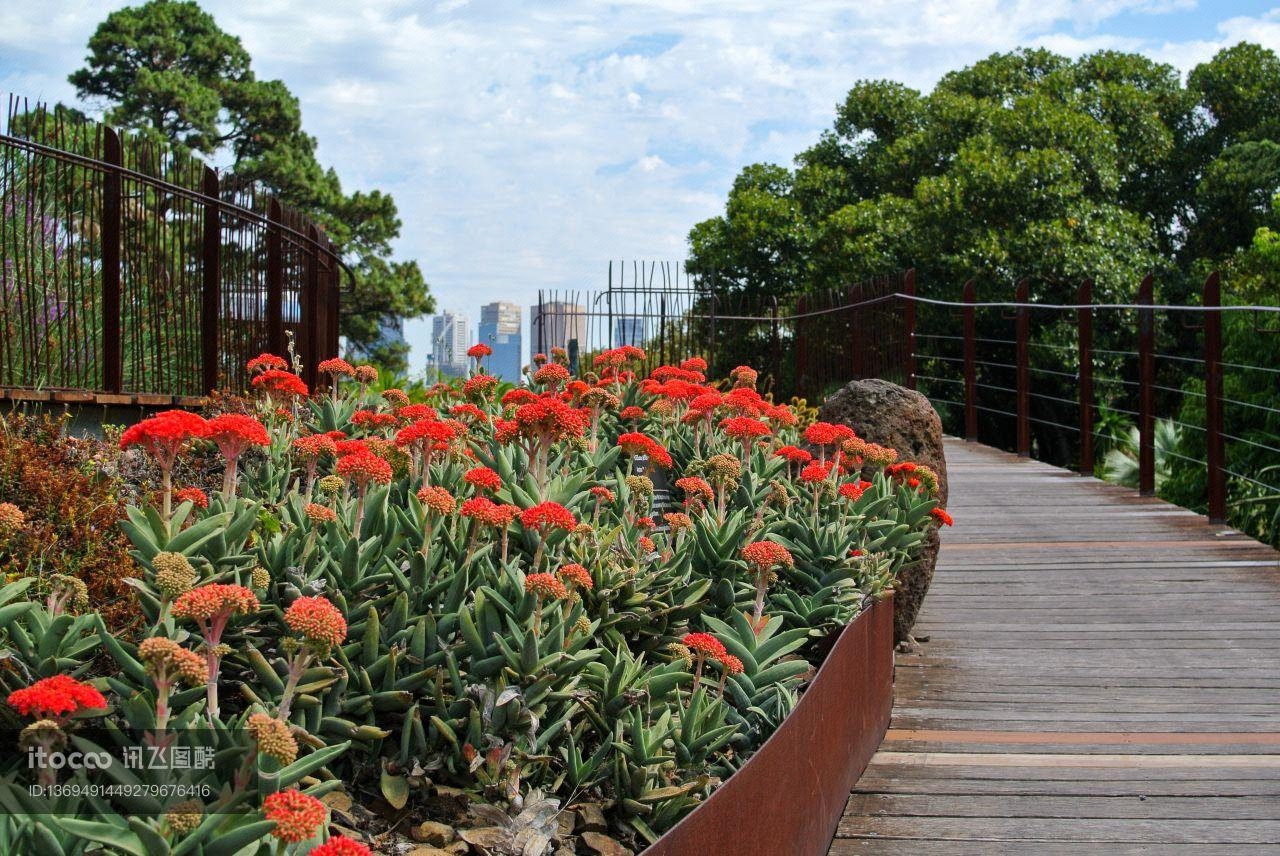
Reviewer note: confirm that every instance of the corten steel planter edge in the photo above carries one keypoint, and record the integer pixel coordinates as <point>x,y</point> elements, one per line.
<point>788,797</point>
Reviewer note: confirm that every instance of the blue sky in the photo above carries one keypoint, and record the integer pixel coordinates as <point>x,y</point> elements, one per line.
<point>527,143</point>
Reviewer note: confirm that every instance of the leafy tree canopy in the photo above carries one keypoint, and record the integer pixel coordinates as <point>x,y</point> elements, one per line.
<point>166,68</point>
<point>1024,164</point>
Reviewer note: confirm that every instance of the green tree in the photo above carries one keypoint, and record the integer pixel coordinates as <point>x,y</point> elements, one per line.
<point>166,68</point>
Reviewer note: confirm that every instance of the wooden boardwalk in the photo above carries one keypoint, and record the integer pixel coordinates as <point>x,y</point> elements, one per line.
<point>1102,676</point>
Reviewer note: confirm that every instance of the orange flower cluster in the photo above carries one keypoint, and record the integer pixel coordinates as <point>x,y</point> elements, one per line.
<point>763,555</point>
<point>297,815</point>
<point>574,574</point>
<point>437,499</point>
<point>316,620</point>
<point>548,515</point>
<point>215,601</point>
<point>337,367</point>
<point>363,467</point>
<point>634,443</point>
<point>545,586</point>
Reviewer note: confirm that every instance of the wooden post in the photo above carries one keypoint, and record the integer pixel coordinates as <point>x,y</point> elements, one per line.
<point>970,362</point>
<point>211,268</point>
<point>1146,388</point>
<point>112,350</point>
<point>275,280</point>
<point>1214,448</point>
<point>909,319</point>
<point>1084,341</point>
<point>1023,334</point>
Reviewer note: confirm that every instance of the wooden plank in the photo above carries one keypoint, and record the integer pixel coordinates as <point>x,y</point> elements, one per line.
<point>1102,675</point>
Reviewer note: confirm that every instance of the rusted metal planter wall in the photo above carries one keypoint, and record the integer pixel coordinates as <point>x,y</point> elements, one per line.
<point>787,799</point>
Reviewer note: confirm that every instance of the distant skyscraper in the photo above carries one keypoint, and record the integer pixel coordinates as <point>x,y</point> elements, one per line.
<point>500,330</point>
<point>629,331</point>
<point>450,339</point>
<point>554,324</point>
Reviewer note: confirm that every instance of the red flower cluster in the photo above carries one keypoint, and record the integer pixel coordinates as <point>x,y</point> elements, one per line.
<point>794,454</point>
<point>763,555</point>
<point>195,495</point>
<point>233,433</point>
<point>547,515</point>
<point>479,350</point>
<point>827,434</point>
<point>631,412</point>
<point>815,472</point>
<point>574,574</point>
<point>695,489</point>
<point>517,396</point>
<point>482,478</point>
<point>744,377</point>
<point>277,382</point>
<point>552,374</point>
<point>374,419</point>
<point>544,586</point>
<point>297,815</point>
<point>340,846</point>
<point>163,435</point>
<point>854,490</point>
<point>745,428</point>
<point>480,385</point>
<point>705,644</point>
<point>485,510</point>
<point>602,493</point>
<point>316,620</point>
<point>60,695</point>
<point>314,445</point>
<point>941,515</point>
<point>437,499</point>
<point>549,418</point>
<point>337,367</point>
<point>362,467</point>
<point>414,412</point>
<point>266,362</point>
<point>215,601</point>
<point>634,443</point>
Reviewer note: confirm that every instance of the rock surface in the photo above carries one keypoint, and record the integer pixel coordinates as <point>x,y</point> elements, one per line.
<point>882,412</point>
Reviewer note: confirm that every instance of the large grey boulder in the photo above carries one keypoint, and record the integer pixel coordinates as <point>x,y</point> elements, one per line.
<point>882,412</point>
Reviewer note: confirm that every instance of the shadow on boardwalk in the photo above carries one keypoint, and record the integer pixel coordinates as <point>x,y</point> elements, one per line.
<point>1102,676</point>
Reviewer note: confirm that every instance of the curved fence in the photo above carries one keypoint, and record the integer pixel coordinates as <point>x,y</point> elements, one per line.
<point>805,346</point>
<point>132,272</point>
<point>1180,399</point>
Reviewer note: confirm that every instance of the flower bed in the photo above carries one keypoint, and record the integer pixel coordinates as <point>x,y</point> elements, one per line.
<point>601,594</point>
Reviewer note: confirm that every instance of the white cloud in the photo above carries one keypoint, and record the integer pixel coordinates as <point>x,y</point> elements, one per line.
<point>526,144</point>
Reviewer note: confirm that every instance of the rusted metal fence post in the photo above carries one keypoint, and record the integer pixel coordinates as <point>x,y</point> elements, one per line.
<point>309,315</point>
<point>1214,441</point>
<point>970,362</point>
<point>1146,388</point>
<point>112,350</point>
<point>909,320</point>
<point>1023,359</point>
<point>1084,341</point>
<point>275,279</point>
<point>857,337</point>
<point>775,340</point>
<point>211,285</point>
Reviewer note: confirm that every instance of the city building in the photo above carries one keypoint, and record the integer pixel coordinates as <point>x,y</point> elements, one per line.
<point>500,329</point>
<point>450,339</point>
<point>628,330</point>
<point>555,325</point>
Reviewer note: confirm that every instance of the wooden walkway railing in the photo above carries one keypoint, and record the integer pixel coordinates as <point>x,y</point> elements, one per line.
<point>1102,675</point>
